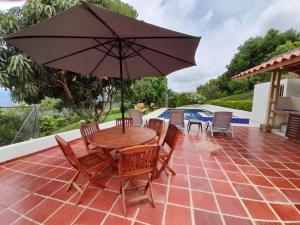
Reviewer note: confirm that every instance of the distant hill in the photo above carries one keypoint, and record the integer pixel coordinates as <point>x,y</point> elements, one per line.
<point>5,99</point>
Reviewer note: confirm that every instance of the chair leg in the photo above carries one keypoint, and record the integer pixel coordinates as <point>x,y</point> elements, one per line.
<point>164,166</point>
<point>84,190</point>
<point>73,179</point>
<point>170,169</point>
<point>123,197</point>
<point>151,192</point>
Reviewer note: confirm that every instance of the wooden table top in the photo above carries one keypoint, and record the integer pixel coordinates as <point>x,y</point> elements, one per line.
<point>113,138</point>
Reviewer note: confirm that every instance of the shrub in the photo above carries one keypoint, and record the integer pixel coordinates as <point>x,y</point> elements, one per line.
<point>115,111</point>
<point>242,104</point>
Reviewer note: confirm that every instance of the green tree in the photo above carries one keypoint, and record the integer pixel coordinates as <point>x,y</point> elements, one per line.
<point>288,46</point>
<point>148,90</point>
<point>29,82</point>
<point>252,52</point>
<point>210,90</point>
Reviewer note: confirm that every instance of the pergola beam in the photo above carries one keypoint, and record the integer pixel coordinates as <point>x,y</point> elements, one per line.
<point>277,66</point>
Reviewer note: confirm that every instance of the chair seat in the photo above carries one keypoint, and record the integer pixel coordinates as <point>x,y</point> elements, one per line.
<point>91,160</point>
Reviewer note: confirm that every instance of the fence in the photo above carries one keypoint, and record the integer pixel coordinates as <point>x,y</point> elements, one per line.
<point>18,124</point>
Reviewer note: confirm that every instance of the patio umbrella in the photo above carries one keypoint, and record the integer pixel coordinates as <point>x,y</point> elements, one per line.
<point>96,42</point>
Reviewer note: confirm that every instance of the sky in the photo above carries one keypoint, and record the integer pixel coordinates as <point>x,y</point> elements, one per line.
<point>223,25</point>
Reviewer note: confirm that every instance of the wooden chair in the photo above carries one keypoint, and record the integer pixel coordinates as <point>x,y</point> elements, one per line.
<point>86,130</point>
<point>293,127</point>
<point>88,165</point>
<point>165,155</point>
<point>157,125</point>
<point>128,122</point>
<point>137,161</point>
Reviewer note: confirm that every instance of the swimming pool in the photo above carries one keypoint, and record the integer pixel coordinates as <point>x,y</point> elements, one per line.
<point>203,115</point>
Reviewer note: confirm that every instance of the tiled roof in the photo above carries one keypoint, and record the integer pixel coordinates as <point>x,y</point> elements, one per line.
<point>275,63</point>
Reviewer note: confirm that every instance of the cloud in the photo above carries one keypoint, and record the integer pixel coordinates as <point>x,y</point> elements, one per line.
<point>223,24</point>
<point>4,5</point>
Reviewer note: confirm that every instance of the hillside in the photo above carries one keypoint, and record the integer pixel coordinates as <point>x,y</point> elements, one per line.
<point>241,101</point>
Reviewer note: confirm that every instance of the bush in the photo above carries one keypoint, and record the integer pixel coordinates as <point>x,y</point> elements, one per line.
<point>242,104</point>
<point>50,123</point>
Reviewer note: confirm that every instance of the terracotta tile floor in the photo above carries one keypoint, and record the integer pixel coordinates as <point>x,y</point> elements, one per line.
<point>254,179</point>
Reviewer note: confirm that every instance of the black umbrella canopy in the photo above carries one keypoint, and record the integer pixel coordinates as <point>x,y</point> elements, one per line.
<point>93,41</point>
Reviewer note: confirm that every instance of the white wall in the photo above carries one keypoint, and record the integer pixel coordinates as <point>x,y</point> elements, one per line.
<point>261,94</point>
<point>293,87</point>
<point>260,99</point>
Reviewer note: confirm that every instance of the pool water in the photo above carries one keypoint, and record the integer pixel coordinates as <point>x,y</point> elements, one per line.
<point>203,115</point>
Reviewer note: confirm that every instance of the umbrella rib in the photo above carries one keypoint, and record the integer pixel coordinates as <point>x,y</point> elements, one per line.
<point>162,37</point>
<point>56,36</point>
<point>116,56</point>
<point>87,7</point>
<point>75,53</point>
<point>128,49</point>
<point>102,59</point>
<point>162,53</point>
<point>147,61</point>
<point>100,50</point>
<point>133,54</point>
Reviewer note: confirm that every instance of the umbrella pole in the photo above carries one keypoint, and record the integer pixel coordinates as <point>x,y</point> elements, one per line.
<point>122,86</point>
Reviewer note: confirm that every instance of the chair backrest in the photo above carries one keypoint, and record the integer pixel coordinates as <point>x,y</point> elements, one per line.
<point>293,127</point>
<point>68,152</point>
<point>171,137</point>
<point>177,117</point>
<point>138,160</point>
<point>128,122</point>
<point>136,116</point>
<point>156,125</point>
<point>88,129</point>
<point>221,120</point>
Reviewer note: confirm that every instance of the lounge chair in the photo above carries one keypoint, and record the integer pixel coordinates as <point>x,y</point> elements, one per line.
<point>221,123</point>
<point>136,116</point>
<point>177,119</point>
<point>141,107</point>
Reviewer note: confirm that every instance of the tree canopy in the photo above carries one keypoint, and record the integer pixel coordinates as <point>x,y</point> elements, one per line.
<point>29,82</point>
<point>148,90</point>
<point>252,52</point>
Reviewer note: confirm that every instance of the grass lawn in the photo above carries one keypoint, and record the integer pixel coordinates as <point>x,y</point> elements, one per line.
<point>76,125</point>
<point>238,97</point>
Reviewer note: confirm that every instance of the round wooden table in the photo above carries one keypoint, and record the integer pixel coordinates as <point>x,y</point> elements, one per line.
<point>113,138</point>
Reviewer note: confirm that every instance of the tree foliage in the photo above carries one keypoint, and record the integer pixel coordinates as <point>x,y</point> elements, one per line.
<point>252,52</point>
<point>29,82</point>
<point>148,90</point>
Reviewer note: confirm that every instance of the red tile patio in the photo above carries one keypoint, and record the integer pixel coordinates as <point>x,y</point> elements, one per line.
<point>254,179</point>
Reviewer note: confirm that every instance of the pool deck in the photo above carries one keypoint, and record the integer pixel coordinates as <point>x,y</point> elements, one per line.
<point>254,179</point>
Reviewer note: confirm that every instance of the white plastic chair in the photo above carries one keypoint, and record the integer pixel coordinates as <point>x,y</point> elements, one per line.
<point>136,116</point>
<point>177,119</point>
<point>221,123</point>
